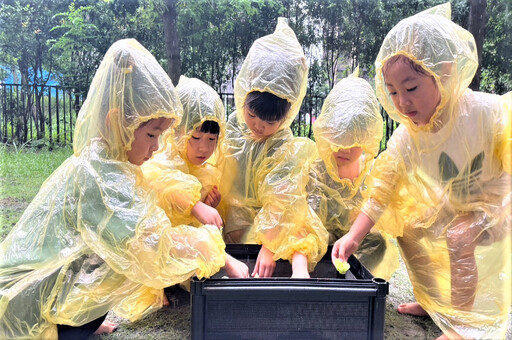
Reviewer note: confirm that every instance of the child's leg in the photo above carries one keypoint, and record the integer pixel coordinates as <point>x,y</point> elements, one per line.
<point>462,239</point>
<point>106,327</point>
<point>85,331</point>
<point>414,256</point>
<point>419,264</point>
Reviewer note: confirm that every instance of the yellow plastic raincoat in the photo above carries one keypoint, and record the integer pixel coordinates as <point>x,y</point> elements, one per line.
<point>179,183</point>
<point>263,182</point>
<point>350,117</point>
<point>457,167</point>
<point>93,239</point>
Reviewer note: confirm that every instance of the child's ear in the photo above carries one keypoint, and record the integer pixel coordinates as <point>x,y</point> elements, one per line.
<point>112,116</point>
<point>445,73</point>
<point>112,121</point>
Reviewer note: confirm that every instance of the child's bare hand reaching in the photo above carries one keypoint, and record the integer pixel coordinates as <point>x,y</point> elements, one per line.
<point>343,248</point>
<point>265,263</point>
<point>206,214</point>
<point>213,198</point>
<point>235,268</point>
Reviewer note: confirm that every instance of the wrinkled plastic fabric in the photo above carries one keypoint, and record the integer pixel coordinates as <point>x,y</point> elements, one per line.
<point>263,183</point>
<point>179,183</point>
<point>452,173</point>
<point>93,239</point>
<point>350,117</point>
<point>275,63</point>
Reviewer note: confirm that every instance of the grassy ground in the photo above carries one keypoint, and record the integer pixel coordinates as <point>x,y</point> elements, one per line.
<point>23,171</point>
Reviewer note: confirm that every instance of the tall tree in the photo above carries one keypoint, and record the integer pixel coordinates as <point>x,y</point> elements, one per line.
<point>26,26</point>
<point>477,22</point>
<point>172,40</point>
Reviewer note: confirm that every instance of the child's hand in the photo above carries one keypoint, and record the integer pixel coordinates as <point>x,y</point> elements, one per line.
<point>343,248</point>
<point>213,198</point>
<point>265,263</point>
<point>300,266</point>
<point>206,214</point>
<point>235,268</point>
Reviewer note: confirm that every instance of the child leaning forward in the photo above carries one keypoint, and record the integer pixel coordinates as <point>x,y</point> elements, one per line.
<point>445,176</point>
<point>94,239</point>
<point>266,167</point>
<point>347,134</point>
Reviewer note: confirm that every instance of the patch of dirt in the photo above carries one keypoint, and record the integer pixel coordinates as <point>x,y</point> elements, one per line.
<point>12,203</point>
<point>11,210</point>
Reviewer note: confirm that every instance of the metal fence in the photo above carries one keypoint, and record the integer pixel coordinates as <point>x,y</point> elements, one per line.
<point>46,115</point>
<point>37,114</point>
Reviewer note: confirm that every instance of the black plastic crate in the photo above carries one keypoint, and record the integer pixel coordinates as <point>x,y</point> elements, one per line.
<point>327,306</point>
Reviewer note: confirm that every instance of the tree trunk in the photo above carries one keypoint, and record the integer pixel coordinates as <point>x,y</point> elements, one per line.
<point>172,48</point>
<point>477,21</point>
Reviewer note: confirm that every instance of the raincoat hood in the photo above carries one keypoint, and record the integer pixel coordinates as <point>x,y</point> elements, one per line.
<point>350,117</point>
<point>275,63</point>
<point>441,47</point>
<point>126,91</point>
<point>200,103</point>
<point>93,239</point>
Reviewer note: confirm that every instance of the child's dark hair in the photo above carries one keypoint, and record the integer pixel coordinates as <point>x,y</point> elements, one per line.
<point>267,106</point>
<point>210,126</point>
<point>408,61</point>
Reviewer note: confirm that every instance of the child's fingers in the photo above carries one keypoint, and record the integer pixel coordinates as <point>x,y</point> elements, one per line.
<point>336,253</point>
<point>268,271</point>
<point>256,269</point>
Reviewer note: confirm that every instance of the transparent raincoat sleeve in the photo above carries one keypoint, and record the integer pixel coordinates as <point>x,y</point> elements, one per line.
<point>285,224</point>
<point>177,191</point>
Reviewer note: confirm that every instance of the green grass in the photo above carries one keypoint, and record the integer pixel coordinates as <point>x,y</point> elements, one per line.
<point>22,171</point>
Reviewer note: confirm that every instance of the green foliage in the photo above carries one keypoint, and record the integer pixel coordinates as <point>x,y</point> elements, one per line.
<point>497,52</point>
<point>216,35</point>
<point>86,31</point>
<point>26,26</point>
<point>68,38</point>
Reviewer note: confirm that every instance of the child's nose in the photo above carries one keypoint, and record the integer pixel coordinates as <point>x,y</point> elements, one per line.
<point>154,146</point>
<point>260,126</point>
<point>202,146</point>
<point>404,99</point>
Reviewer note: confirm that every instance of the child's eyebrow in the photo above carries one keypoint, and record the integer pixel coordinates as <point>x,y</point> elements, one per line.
<point>409,78</point>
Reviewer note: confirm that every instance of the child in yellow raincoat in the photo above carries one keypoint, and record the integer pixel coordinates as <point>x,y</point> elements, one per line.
<point>93,239</point>
<point>446,177</point>
<point>185,173</point>
<point>266,168</point>
<point>347,133</point>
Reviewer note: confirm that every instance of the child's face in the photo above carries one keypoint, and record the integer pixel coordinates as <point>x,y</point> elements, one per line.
<point>260,128</point>
<point>146,140</point>
<point>348,156</point>
<point>415,95</point>
<point>201,146</point>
